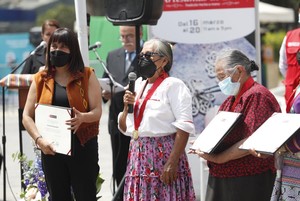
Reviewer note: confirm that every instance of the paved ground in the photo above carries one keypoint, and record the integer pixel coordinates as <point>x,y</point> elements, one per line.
<point>13,183</point>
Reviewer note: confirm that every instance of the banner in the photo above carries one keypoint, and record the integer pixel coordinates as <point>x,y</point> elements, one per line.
<point>203,21</point>
<point>199,29</point>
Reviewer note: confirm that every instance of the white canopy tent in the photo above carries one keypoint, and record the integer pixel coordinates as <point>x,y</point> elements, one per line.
<point>270,13</point>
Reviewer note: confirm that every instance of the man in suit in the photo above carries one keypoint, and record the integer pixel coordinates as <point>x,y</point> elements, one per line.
<point>120,63</point>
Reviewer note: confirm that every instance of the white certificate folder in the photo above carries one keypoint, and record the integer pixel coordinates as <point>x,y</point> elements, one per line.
<point>273,133</point>
<point>50,121</point>
<point>217,129</point>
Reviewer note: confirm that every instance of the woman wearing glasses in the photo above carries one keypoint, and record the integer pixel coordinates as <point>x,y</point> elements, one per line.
<point>159,127</point>
<point>235,174</point>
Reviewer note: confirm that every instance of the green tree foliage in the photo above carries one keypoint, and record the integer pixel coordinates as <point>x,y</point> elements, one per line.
<point>274,39</point>
<point>64,14</point>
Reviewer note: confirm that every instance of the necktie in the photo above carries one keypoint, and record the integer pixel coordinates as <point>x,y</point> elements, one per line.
<point>129,57</point>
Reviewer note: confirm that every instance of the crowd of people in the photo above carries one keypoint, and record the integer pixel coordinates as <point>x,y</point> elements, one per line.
<point>148,144</point>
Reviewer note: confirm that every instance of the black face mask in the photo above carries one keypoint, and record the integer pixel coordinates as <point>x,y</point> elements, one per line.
<point>147,68</point>
<point>59,58</point>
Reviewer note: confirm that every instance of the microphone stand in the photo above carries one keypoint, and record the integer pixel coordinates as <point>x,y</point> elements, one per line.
<point>16,68</point>
<point>31,53</point>
<point>137,49</point>
<point>3,143</point>
<point>113,82</point>
<point>112,87</point>
<point>3,128</point>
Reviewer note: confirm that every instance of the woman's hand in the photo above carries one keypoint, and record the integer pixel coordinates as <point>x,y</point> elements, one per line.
<point>106,95</point>
<point>129,98</point>
<point>76,121</point>
<point>46,147</point>
<point>257,154</point>
<point>215,158</point>
<point>169,173</point>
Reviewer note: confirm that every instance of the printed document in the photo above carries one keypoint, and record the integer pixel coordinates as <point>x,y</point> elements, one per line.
<point>50,121</point>
<point>216,131</point>
<point>273,133</point>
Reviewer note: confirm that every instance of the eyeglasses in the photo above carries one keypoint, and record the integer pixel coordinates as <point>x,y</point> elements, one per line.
<point>226,73</point>
<point>126,37</point>
<point>148,55</point>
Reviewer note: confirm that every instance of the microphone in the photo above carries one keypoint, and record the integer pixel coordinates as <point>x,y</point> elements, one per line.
<point>42,45</point>
<point>96,45</point>
<point>132,78</point>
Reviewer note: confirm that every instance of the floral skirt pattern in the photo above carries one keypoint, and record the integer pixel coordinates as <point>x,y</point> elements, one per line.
<point>146,158</point>
<point>287,183</point>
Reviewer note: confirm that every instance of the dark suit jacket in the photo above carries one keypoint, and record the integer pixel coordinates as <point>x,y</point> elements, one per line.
<point>116,66</point>
<point>34,62</point>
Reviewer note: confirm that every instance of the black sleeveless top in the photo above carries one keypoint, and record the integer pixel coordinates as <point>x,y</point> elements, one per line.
<point>60,97</point>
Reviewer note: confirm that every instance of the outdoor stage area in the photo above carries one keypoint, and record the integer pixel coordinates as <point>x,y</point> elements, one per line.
<point>13,178</point>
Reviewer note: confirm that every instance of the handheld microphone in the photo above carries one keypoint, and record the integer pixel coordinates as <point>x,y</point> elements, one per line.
<point>42,45</point>
<point>132,77</point>
<point>96,45</point>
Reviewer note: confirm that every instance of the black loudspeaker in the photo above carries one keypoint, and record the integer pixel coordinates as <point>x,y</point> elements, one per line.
<point>133,12</point>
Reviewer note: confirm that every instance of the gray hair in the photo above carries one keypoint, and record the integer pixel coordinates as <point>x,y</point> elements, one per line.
<point>164,49</point>
<point>232,58</point>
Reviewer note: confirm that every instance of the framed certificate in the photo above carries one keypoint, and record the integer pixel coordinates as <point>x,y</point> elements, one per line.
<point>217,129</point>
<point>273,133</point>
<point>50,121</point>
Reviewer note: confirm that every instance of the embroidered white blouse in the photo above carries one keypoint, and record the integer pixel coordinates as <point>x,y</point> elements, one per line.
<point>169,109</point>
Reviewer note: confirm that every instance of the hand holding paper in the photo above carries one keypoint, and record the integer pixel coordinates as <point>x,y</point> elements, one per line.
<point>51,123</point>
<point>215,131</point>
<point>76,121</point>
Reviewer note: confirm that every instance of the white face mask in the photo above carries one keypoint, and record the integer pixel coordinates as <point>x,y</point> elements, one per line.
<point>228,87</point>
<point>299,18</point>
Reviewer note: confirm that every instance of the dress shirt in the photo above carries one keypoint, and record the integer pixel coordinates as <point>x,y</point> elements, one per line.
<point>165,112</point>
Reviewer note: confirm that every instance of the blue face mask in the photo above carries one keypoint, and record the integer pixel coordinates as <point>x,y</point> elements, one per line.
<point>228,87</point>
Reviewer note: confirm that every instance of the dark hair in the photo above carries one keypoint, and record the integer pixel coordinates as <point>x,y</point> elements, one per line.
<point>68,38</point>
<point>49,23</point>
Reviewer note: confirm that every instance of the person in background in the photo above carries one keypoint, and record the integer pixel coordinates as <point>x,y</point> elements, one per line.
<point>287,183</point>
<point>66,82</point>
<point>35,61</point>
<point>288,65</point>
<point>120,62</point>
<point>236,174</point>
<point>288,161</point>
<point>159,128</point>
